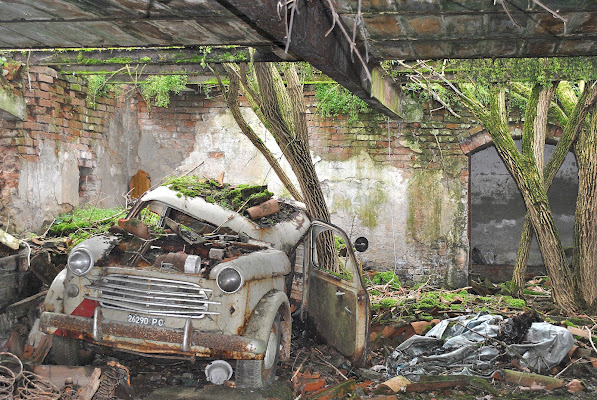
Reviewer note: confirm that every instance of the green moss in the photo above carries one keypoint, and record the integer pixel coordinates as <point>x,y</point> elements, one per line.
<point>387,277</point>
<point>385,303</point>
<point>425,207</point>
<point>369,211</point>
<point>237,198</point>
<point>343,273</point>
<point>514,303</point>
<point>82,223</point>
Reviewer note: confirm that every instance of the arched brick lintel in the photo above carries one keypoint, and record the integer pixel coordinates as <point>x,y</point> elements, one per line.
<point>479,139</point>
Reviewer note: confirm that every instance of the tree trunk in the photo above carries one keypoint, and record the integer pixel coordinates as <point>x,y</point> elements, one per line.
<point>585,221</point>
<point>573,118</point>
<point>232,101</point>
<point>530,183</point>
<point>533,145</point>
<point>281,108</point>
<point>284,108</point>
<point>290,132</point>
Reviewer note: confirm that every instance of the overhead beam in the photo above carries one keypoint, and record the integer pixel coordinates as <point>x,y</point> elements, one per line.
<point>330,54</point>
<point>137,64</point>
<point>118,57</point>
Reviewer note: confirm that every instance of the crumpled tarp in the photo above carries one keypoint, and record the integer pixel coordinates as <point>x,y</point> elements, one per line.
<point>466,345</point>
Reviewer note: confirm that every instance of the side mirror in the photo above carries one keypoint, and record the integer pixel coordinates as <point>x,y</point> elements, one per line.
<point>361,244</point>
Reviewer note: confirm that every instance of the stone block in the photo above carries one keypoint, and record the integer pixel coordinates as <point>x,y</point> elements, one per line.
<point>12,107</point>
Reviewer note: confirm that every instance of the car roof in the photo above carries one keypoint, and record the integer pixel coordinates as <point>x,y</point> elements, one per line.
<point>284,235</point>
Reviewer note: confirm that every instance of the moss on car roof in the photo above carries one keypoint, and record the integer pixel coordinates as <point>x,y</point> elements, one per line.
<point>232,197</point>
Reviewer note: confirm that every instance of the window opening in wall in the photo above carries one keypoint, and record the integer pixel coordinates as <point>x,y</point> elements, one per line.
<point>497,213</point>
<point>84,180</point>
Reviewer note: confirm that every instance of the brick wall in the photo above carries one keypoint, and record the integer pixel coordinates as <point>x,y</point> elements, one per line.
<point>403,185</point>
<point>58,118</point>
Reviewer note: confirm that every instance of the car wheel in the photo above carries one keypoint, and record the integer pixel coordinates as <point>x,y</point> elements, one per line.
<point>67,351</point>
<point>261,373</point>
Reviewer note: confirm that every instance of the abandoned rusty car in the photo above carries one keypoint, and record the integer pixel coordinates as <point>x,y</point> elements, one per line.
<point>182,276</point>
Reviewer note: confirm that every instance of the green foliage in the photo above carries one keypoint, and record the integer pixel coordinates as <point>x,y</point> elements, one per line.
<point>385,303</point>
<point>333,100</point>
<point>96,87</point>
<point>158,88</point>
<point>82,223</point>
<point>339,242</point>
<point>487,71</point>
<point>514,303</point>
<point>387,277</point>
<point>237,198</point>
<point>481,74</point>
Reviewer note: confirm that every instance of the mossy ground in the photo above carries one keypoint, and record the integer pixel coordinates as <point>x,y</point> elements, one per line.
<point>81,223</point>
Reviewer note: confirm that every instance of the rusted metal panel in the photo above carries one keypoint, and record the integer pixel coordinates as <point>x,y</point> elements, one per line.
<point>148,339</point>
<point>338,307</point>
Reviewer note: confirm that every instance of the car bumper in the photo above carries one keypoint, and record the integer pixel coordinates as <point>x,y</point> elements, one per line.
<point>152,340</point>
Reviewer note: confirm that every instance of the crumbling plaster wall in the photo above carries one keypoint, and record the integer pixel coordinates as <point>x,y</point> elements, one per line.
<point>50,156</point>
<point>387,181</point>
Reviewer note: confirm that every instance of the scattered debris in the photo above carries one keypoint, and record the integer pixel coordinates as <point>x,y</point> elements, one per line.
<point>338,391</point>
<point>393,385</point>
<point>471,345</point>
<point>575,386</point>
<point>481,330</point>
<point>526,379</point>
<point>9,240</point>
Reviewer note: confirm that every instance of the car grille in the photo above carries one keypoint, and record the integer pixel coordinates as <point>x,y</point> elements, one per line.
<point>153,296</point>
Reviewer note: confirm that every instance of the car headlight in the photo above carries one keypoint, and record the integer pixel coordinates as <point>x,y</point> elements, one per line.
<point>80,261</point>
<point>229,280</point>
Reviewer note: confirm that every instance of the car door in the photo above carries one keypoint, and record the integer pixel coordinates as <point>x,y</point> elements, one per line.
<point>336,302</point>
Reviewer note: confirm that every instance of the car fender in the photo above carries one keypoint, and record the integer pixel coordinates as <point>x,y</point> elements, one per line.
<point>54,301</point>
<point>262,318</point>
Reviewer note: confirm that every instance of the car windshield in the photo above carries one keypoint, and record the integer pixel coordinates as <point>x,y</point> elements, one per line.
<point>160,217</point>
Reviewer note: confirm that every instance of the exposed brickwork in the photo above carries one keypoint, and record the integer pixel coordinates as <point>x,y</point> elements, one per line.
<point>175,126</point>
<point>477,138</point>
<point>56,113</point>
<point>399,144</point>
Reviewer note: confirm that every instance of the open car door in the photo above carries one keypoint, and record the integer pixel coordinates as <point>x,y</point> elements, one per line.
<point>336,303</point>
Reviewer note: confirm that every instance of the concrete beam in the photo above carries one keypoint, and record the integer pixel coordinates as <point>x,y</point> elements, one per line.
<point>12,107</point>
<point>330,54</point>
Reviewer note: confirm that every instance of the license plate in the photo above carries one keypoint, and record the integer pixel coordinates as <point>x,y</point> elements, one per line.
<point>141,320</point>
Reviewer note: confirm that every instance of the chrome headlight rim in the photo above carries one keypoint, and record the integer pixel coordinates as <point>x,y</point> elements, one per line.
<point>240,285</point>
<point>73,253</point>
